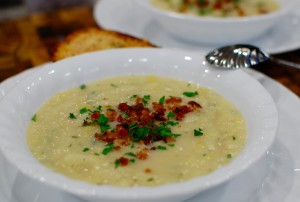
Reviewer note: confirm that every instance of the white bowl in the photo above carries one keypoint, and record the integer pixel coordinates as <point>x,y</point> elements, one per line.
<point>25,98</point>
<point>214,30</point>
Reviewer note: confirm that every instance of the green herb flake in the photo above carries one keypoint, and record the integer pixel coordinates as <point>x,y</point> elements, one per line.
<point>172,123</point>
<point>229,156</point>
<point>102,120</point>
<point>161,147</point>
<point>113,85</point>
<point>74,136</point>
<point>83,110</point>
<point>33,118</point>
<point>104,128</point>
<point>108,148</point>
<point>145,99</point>
<point>85,149</point>
<point>150,179</point>
<point>130,154</point>
<point>72,116</point>
<point>171,145</point>
<point>117,163</point>
<point>233,138</point>
<point>162,100</point>
<point>190,94</point>
<point>198,132</point>
<point>176,135</point>
<point>82,86</point>
<point>171,115</point>
<point>132,160</point>
<point>125,116</point>
<point>133,96</point>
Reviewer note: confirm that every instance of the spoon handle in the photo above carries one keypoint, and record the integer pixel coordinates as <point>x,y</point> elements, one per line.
<point>284,62</point>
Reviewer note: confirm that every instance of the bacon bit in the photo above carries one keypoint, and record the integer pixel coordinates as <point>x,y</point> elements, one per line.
<point>124,107</point>
<point>107,137</point>
<point>202,4</point>
<point>194,104</point>
<point>241,12</point>
<point>86,123</point>
<point>111,115</point>
<point>169,140</point>
<point>124,161</point>
<point>148,170</point>
<point>173,100</point>
<point>180,111</point>
<point>138,100</point>
<point>95,115</point>
<point>121,132</point>
<point>218,6</point>
<point>117,148</point>
<point>143,154</point>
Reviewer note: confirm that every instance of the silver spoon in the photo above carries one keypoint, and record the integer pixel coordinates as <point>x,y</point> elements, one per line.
<point>242,56</point>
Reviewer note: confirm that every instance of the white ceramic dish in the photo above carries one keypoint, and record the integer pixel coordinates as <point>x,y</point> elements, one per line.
<point>213,30</point>
<point>24,99</point>
<point>282,165</point>
<point>123,16</point>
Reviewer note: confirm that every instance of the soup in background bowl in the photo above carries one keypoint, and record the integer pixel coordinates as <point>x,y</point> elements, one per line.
<point>209,28</point>
<point>246,94</point>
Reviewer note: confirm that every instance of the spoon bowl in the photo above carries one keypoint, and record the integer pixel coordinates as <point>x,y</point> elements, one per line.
<point>242,56</point>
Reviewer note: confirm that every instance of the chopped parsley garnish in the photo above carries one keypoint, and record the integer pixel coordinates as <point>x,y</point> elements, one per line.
<point>82,86</point>
<point>83,110</point>
<point>102,120</point>
<point>150,179</point>
<point>162,100</point>
<point>103,123</point>
<point>33,118</point>
<point>229,156</point>
<point>171,115</point>
<point>132,160</point>
<point>125,116</point>
<point>72,116</point>
<point>117,163</point>
<point>113,85</point>
<point>190,94</point>
<point>161,147</point>
<point>233,138</point>
<point>145,99</point>
<point>133,96</point>
<point>139,133</point>
<point>108,148</point>
<point>171,145</point>
<point>85,149</point>
<point>130,154</point>
<point>198,132</point>
<point>172,123</point>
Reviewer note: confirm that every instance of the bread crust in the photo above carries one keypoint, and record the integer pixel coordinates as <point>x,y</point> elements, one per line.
<point>94,39</point>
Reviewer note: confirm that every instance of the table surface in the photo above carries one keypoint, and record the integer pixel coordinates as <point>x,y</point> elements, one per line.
<point>30,41</point>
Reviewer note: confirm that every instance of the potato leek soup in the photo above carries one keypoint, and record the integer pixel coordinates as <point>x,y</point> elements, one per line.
<point>136,131</point>
<point>218,8</point>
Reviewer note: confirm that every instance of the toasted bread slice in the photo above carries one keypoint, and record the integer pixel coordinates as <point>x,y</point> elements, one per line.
<point>93,39</point>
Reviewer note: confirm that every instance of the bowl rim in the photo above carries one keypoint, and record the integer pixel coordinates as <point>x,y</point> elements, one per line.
<point>145,4</point>
<point>75,187</point>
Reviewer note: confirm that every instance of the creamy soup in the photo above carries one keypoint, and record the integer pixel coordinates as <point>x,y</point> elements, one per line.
<point>218,8</point>
<point>136,131</point>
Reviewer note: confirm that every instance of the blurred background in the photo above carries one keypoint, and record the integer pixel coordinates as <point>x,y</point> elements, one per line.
<point>19,8</point>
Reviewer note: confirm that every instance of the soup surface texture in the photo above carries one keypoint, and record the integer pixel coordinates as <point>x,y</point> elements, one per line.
<point>218,8</point>
<point>136,131</point>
